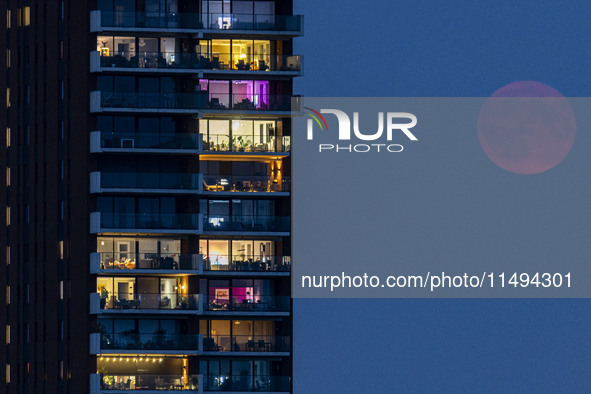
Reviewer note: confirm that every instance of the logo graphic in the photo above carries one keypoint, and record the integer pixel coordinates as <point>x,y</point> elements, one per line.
<point>394,122</point>
<point>315,114</point>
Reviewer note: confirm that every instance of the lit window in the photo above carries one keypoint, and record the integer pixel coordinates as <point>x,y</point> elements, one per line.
<point>61,249</point>
<point>8,255</point>
<point>26,16</point>
<point>7,137</point>
<point>7,334</point>
<point>7,176</point>
<point>7,373</point>
<point>7,97</point>
<point>7,295</point>
<point>8,216</point>
<point>8,58</point>
<point>8,19</point>
<point>61,289</point>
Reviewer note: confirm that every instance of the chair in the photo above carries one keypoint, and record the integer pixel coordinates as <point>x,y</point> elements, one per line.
<point>262,345</point>
<point>262,65</point>
<point>240,64</point>
<point>210,345</point>
<point>215,62</point>
<point>250,345</point>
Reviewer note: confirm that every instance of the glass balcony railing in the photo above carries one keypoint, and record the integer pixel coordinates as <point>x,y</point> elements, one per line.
<point>245,183</point>
<point>123,382</point>
<point>150,140</point>
<point>135,341</point>
<point>149,180</point>
<point>218,61</point>
<point>197,100</point>
<point>255,264</point>
<point>148,261</point>
<point>165,301</point>
<point>256,303</point>
<point>194,21</point>
<point>246,383</point>
<point>225,143</point>
<point>246,343</point>
<point>246,223</point>
<point>152,221</point>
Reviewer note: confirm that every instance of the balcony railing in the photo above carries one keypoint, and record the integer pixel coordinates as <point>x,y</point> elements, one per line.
<point>124,382</point>
<point>156,301</point>
<point>229,263</point>
<point>195,21</point>
<point>194,101</point>
<point>246,343</point>
<point>218,61</point>
<point>258,303</point>
<point>167,222</point>
<point>225,143</point>
<point>146,261</point>
<point>243,383</point>
<point>162,141</point>
<point>148,180</point>
<point>135,341</point>
<point>245,183</point>
<point>246,223</point>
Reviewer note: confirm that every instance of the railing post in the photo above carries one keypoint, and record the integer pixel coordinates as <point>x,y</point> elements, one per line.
<point>95,101</point>
<point>95,222</point>
<point>95,141</point>
<point>95,343</point>
<point>94,383</point>
<point>95,262</point>
<point>95,21</point>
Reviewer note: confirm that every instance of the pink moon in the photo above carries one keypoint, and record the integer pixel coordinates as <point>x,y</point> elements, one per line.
<point>526,127</point>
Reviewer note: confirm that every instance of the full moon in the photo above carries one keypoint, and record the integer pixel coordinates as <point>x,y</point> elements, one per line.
<point>526,127</point>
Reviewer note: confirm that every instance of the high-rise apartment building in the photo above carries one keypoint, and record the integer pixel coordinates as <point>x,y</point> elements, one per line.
<point>145,176</point>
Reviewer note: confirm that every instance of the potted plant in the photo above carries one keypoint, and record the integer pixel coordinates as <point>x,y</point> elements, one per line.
<point>104,297</point>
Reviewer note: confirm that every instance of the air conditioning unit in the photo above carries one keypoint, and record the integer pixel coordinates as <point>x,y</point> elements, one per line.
<point>127,143</point>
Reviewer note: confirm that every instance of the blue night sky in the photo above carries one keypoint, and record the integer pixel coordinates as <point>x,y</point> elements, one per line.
<point>428,48</point>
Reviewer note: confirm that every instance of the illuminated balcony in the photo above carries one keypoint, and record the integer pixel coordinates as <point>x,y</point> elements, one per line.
<point>173,303</point>
<point>223,143</point>
<point>256,304</point>
<point>171,143</point>
<point>219,265</point>
<point>143,383</point>
<point>149,223</point>
<point>284,25</point>
<point>190,103</point>
<point>145,182</point>
<point>135,343</point>
<point>145,263</point>
<point>267,344</point>
<point>178,62</point>
<point>246,184</point>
